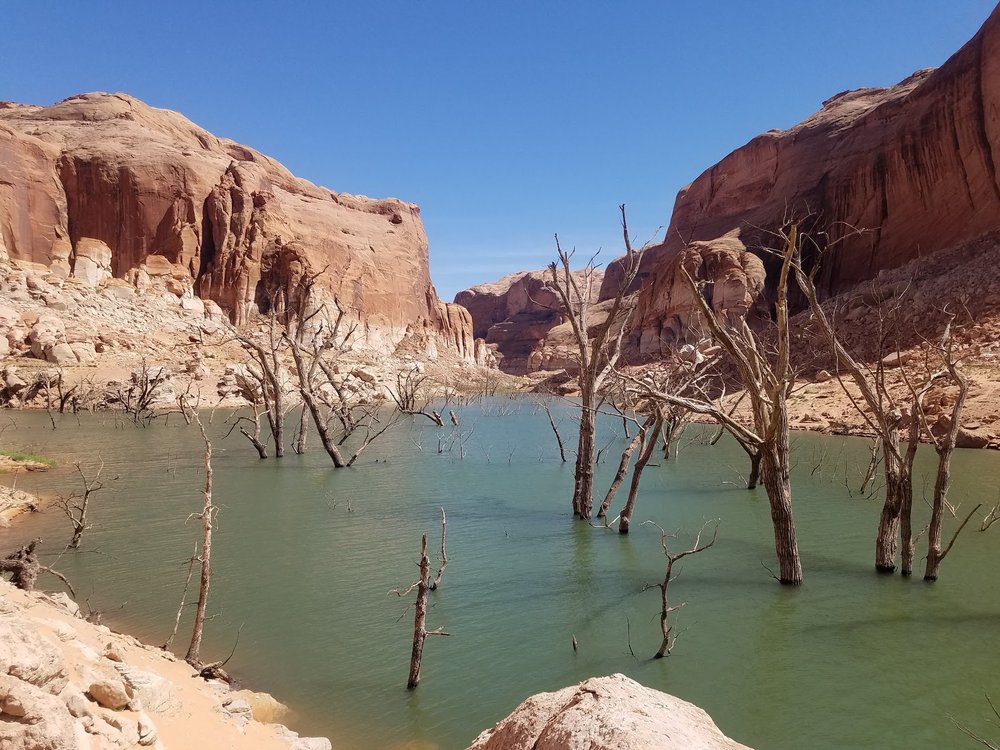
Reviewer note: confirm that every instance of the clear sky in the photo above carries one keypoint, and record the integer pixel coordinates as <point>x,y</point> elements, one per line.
<point>506,121</point>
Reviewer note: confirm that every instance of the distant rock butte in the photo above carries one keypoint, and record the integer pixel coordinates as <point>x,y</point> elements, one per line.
<point>610,713</point>
<point>516,312</point>
<point>103,185</point>
<point>915,164</point>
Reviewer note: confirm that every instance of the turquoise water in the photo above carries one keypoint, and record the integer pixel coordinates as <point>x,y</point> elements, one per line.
<point>305,557</point>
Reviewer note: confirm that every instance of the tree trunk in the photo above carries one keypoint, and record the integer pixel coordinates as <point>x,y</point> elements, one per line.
<point>754,470</point>
<point>888,526</point>
<point>648,441</point>
<point>301,438</point>
<point>774,472</point>
<point>420,618</point>
<point>622,469</point>
<point>906,524</point>
<point>193,656</point>
<point>583,486</point>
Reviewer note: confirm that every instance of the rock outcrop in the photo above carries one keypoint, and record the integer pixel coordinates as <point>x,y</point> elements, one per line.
<point>67,684</point>
<point>103,185</point>
<point>515,313</point>
<point>916,165</point>
<point>610,713</point>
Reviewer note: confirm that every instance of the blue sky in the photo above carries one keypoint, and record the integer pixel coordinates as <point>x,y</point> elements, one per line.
<point>505,121</point>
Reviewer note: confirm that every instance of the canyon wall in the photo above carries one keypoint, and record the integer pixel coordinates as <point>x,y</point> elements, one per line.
<point>173,206</point>
<point>915,166</point>
<point>515,313</point>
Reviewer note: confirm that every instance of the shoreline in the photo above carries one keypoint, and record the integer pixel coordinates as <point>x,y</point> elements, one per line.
<point>80,675</point>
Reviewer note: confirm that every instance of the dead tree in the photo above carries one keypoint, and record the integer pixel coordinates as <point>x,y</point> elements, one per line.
<point>666,608</point>
<point>944,446</point>
<point>76,505</point>
<point>767,381</point>
<point>555,430</point>
<point>444,552</point>
<point>883,416</point>
<point>138,397</point>
<point>407,395</point>
<point>193,656</point>
<point>180,609</point>
<point>420,631</point>
<point>648,434</point>
<point>598,350</point>
<point>623,467</point>
<point>254,435</point>
<point>24,568</point>
<point>266,370</point>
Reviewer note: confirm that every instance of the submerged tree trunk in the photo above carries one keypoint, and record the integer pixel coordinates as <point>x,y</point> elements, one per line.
<point>193,656</point>
<point>888,526</point>
<point>623,468</point>
<point>420,617</point>
<point>302,438</point>
<point>648,442</point>
<point>774,472</point>
<point>583,487</point>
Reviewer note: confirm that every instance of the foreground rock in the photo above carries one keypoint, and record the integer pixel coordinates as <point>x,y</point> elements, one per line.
<point>606,713</point>
<point>66,684</point>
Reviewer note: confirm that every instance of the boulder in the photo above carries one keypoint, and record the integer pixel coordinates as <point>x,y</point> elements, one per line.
<point>91,261</point>
<point>610,713</point>
<point>46,332</point>
<point>28,657</point>
<point>109,694</point>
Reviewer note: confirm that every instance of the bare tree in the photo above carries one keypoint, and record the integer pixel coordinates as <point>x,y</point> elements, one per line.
<point>138,397</point>
<point>76,505</point>
<point>24,568</point>
<point>944,446</point>
<point>555,429</point>
<point>193,656</point>
<point>598,350</point>
<point>420,632</point>
<point>444,552</point>
<point>884,417</point>
<point>412,397</point>
<point>666,608</point>
<point>767,379</point>
<point>648,434</point>
<point>266,370</point>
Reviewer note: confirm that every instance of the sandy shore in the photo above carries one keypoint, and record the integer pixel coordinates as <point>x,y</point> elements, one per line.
<point>51,659</point>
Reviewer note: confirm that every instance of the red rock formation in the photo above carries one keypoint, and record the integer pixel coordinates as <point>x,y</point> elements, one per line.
<point>515,313</point>
<point>915,164</point>
<point>175,203</point>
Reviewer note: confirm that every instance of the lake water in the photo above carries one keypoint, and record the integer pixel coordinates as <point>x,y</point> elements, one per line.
<point>305,556</point>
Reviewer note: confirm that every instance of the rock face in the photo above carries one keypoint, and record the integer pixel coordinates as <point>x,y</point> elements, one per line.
<point>606,713</point>
<point>103,185</point>
<point>737,282</point>
<point>915,164</point>
<point>515,313</point>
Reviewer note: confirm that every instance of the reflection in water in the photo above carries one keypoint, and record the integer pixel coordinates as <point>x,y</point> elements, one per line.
<point>305,556</point>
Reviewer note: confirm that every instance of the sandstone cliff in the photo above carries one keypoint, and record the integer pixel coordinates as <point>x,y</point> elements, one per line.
<point>916,165</point>
<point>103,185</point>
<point>515,313</point>
<point>610,713</point>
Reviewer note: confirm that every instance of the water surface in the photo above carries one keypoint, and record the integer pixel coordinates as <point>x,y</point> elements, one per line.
<point>305,556</point>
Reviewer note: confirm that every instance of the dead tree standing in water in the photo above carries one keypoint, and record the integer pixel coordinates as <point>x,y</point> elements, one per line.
<point>597,354</point>
<point>75,506</point>
<point>193,656</point>
<point>420,632</point>
<point>768,381</point>
<point>945,446</point>
<point>667,644</point>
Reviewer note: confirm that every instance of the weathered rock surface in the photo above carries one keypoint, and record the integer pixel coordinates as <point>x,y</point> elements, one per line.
<point>516,312</point>
<point>606,713</point>
<point>59,690</point>
<point>915,164</point>
<point>103,185</point>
